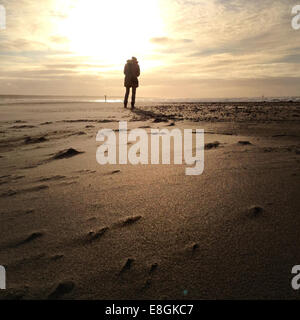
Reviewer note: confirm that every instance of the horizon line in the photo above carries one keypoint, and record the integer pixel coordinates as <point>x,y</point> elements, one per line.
<point>165,98</point>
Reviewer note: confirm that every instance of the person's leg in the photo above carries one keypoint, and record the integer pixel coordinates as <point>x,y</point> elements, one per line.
<point>126,96</point>
<point>133,97</point>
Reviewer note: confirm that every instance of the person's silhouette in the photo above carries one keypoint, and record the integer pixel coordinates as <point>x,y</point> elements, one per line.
<point>132,72</point>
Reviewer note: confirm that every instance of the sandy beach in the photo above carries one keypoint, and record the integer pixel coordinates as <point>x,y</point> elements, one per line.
<point>73,229</point>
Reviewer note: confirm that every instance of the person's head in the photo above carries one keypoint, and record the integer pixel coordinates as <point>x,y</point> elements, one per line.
<point>134,59</point>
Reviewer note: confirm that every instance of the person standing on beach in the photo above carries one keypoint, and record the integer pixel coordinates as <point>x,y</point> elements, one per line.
<point>132,72</point>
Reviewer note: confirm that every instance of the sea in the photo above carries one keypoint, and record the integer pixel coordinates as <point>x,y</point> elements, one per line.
<point>51,99</point>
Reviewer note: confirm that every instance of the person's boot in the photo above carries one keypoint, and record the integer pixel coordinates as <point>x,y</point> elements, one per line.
<point>125,105</point>
<point>132,106</point>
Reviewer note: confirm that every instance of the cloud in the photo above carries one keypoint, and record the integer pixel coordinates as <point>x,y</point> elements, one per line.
<point>205,43</point>
<point>169,41</point>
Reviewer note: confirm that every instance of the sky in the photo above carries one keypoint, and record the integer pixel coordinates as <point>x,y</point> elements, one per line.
<point>186,48</point>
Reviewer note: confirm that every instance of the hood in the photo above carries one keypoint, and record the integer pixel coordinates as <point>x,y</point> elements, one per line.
<point>132,61</point>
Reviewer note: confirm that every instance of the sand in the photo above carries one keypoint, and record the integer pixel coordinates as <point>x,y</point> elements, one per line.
<point>73,229</point>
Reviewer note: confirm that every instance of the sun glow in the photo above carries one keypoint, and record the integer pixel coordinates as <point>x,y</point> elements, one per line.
<point>112,31</point>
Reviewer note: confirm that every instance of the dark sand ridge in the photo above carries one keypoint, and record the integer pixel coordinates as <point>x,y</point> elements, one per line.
<point>71,228</point>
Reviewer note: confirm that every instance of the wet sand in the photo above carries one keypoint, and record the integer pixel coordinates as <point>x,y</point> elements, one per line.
<point>73,229</point>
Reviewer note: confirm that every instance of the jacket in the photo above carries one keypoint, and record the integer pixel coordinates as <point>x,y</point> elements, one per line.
<point>132,72</point>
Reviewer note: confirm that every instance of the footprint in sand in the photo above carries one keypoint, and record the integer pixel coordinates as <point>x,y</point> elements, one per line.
<point>254,212</point>
<point>62,289</point>
<point>190,249</point>
<point>56,257</point>
<point>153,268</point>
<point>195,246</point>
<point>127,266</point>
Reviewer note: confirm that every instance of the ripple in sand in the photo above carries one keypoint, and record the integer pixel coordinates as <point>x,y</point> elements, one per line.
<point>30,238</point>
<point>212,145</point>
<point>92,236</point>
<point>20,121</point>
<point>11,193</point>
<point>46,123</point>
<point>130,220</point>
<point>86,171</point>
<point>79,133</point>
<point>67,153</point>
<point>22,127</point>
<point>245,143</point>
<point>9,179</point>
<point>158,120</point>
<point>10,215</point>
<point>29,140</point>
<point>89,120</point>
<point>54,178</point>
